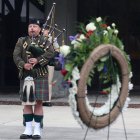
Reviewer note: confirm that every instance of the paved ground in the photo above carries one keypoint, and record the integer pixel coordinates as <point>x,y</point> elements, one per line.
<point>59,124</point>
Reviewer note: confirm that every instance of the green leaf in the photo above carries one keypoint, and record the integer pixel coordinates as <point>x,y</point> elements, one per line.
<point>68,75</point>
<point>89,81</point>
<point>69,67</point>
<point>100,66</point>
<point>103,59</point>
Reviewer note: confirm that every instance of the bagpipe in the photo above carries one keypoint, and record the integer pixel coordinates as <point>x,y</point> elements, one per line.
<point>36,51</point>
<point>57,61</point>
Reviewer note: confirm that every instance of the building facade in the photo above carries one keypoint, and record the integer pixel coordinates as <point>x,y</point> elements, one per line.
<point>14,16</point>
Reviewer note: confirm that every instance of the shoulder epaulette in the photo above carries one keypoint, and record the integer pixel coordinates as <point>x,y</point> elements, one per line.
<point>24,42</point>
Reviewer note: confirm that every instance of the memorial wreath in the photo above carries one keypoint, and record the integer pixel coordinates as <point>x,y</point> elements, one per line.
<point>103,41</point>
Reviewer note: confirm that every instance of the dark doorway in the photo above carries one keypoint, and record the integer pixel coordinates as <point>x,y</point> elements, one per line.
<point>12,26</point>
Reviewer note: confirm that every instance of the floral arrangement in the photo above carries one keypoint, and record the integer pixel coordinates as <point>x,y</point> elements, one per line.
<point>95,33</point>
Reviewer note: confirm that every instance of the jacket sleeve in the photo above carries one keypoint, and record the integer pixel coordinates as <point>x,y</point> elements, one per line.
<point>17,54</point>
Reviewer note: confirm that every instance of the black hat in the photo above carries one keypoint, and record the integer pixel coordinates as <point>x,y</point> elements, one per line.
<point>35,21</point>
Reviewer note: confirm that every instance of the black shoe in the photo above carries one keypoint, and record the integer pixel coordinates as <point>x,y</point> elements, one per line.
<point>24,136</point>
<point>36,137</point>
<point>47,104</point>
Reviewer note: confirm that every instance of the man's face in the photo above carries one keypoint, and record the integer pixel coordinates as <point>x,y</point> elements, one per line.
<point>33,30</point>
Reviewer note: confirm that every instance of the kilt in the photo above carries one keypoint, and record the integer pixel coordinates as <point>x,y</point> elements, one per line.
<point>41,88</point>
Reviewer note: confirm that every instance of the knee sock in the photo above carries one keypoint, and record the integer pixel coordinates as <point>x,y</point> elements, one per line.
<point>37,125</point>
<point>28,124</point>
<point>27,118</point>
<point>39,119</point>
<point>28,128</point>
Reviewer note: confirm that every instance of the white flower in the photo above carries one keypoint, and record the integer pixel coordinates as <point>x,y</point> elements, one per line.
<point>98,19</point>
<point>122,47</point>
<point>105,32</point>
<point>90,27</point>
<point>116,32</point>
<point>108,28</point>
<point>65,50</point>
<point>75,73</point>
<point>113,24</point>
<point>76,43</point>
<point>130,75</point>
<point>128,57</point>
<point>130,86</point>
<point>82,37</point>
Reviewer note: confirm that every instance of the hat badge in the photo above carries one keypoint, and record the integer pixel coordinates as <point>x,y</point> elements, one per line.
<point>37,21</point>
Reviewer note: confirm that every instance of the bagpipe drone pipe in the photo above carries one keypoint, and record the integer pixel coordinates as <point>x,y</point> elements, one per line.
<point>57,61</point>
<point>37,51</point>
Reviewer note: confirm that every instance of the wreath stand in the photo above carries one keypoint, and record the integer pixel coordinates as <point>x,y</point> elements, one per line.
<point>87,116</point>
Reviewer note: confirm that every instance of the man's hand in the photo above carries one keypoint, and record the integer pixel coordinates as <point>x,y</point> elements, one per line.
<point>28,66</point>
<point>33,61</point>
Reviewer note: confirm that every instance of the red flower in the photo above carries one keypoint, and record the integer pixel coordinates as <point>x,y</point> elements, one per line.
<point>104,25</point>
<point>64,72</point>
<point>89,33</point>
<point>104,92</point>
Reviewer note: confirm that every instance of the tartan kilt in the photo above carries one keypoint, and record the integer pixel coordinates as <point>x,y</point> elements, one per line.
<point>41,88</point>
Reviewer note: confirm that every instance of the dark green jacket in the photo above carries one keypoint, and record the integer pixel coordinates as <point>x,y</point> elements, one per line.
<point>21,49</point>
